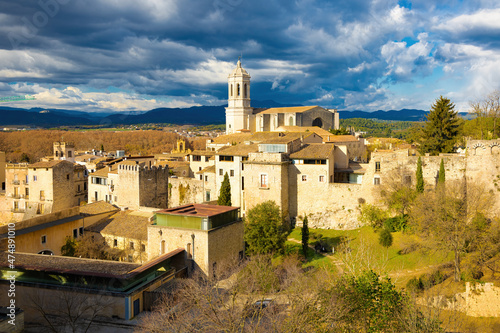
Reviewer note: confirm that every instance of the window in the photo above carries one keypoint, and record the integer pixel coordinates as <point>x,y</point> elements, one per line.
<point>321,179</point>
<point>201,177</point>
<point>143,247</point>
<point>27,193</point>
<point>304,178</point>
<point>42,195</point>
<point>240,255</point>
<point>115,243</point>
<point>238,89</point>
<point>231,173</point>
<point>199,168</point>
<point>79,189</point>
<point>75,233</point>
<point>57,153</point>
<point>27,179</point>
<point>35,178</point>
<point>80,231</point>
<point>96,195</point>
<point>376,181</point>
<point>263,181</point>
<point>221,172</point>
<point>207,196</point>
<point>85,186</point>
<point>377,166</point>
<point>16,205</point>
<point>196,158</point>
<point>242,183</point>
<point>314,161</point>
<point>223,158</point>
<point>207,158</point>
<point>206,178</point>
<point>43,239</point>
<point>131,244</point>
<point>130,258</point>
<point>69,153</point>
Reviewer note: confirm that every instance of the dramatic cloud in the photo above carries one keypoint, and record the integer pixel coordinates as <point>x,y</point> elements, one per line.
<point>124,55</point>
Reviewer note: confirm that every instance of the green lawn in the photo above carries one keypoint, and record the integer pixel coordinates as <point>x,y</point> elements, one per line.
<point>388,260</point>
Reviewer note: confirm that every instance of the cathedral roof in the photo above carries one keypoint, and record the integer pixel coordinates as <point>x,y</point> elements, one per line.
<point>239,71</point>
<point>291,109</point>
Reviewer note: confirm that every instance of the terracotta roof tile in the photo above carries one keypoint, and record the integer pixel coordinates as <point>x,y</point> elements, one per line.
<point>314,151</point>
<point>98,207</point>
<point>293,109</point>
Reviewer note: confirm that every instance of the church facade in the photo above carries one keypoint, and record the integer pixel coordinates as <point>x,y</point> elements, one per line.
<point>241,117</point>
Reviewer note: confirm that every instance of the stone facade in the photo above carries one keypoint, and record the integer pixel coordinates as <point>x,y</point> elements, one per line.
<point>182,191</point>
<point>130,184</point>
<point>213,246</point>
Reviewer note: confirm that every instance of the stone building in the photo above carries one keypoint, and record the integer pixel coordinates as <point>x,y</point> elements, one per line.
<point>131,183</point>
<point>64,151</point>
<point>45,187</point>
<point>211,235</point>
<point>240,116</point>
<point>125,231</point>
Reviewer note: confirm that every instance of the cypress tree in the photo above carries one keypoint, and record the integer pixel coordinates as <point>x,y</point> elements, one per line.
<point>441,178</point>
<point>420,176</point>
<point>305,236</point>
<point>225,192</point>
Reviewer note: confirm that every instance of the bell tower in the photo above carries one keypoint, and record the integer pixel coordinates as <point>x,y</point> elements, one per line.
<point>238,108</point>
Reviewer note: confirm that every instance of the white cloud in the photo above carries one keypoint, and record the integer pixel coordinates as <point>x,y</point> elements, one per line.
<point>485,19</point>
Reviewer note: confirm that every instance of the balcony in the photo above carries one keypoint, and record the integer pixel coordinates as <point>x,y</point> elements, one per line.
<point>15,196</point>
<point>17,210</point>
<point>15,182</point>
<point>42,198</point>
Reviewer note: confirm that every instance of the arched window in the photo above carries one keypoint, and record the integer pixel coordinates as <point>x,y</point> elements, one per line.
<point>245,92</point>
<point>290,121</point>
<point>317,122</point>
<point>238,89</point>
<point>231,90</point>
<point>163,247</point>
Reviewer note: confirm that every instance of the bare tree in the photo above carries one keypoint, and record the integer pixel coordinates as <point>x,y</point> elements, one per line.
<point>68,310</point>
<point>444,216</point>
<point>488,107</point>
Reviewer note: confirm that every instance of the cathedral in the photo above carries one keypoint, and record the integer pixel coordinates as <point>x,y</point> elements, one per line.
<point>241,117</point>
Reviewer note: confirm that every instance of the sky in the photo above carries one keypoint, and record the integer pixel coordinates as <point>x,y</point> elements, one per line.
<point>128,55</point>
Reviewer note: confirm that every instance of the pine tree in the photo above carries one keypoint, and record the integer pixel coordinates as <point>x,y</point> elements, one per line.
<point>305,236</point>
<point>420,176</point>
<point>441,178</point>
<point>225,192</point>
<point>441,128</point>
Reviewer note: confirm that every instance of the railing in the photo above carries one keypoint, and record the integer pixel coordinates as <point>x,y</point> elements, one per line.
<point>17,210</point>
<point>16,196</point>
<point>15,182</point>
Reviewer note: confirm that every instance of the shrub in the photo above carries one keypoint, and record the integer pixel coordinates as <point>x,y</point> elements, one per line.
<point>385,238</point>
<point>397,223</point>
<point>414,285</point>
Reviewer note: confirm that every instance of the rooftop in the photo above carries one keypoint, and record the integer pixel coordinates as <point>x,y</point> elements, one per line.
<point>339,138</point>
<point>97,207</point>
<point>314,151</point>
<point>127,224</point>
<point>200,210</point>
<point>293,109</point>
<point>239,150</point>
<point>49,164</point>
<point>208,169</point>
<point>314,129</point>
<point>103,172</point>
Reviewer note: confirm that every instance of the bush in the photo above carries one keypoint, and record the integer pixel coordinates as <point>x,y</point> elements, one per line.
<point>373,216</point>
<point>385,238</point>
<point>430,280</point>
<point>410,247</point>
<point>414,285</point>
<point>397,223</point>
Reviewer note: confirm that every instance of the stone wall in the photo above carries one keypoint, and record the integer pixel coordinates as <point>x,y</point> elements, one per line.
<point>153,187</point>
<point>182,191</point>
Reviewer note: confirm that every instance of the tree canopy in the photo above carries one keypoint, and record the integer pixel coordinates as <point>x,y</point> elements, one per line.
<point>419,176</point>
<point>441,128</point>
<point>265,230</point>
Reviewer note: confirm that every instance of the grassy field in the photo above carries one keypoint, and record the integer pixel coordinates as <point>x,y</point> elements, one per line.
<point>363,244</point>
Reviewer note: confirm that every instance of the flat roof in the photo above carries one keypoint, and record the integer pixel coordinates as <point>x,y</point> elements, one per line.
<point>201,210</point>
<point>42,226</point>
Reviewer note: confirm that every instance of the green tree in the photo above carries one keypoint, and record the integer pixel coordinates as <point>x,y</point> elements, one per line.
<point>385,238</point>
<point>305,236</point>
<point>69,248</point>
<point>441,178</point>
<point>441,128</point>
<point>265,230</point>
<point>340,131</point>
<point>24,158</point>
<point>225,192</point>
<point>420,176</point>
<point>102,147</point>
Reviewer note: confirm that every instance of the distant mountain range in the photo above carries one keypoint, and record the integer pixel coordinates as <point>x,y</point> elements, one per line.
<point>196,115</point>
